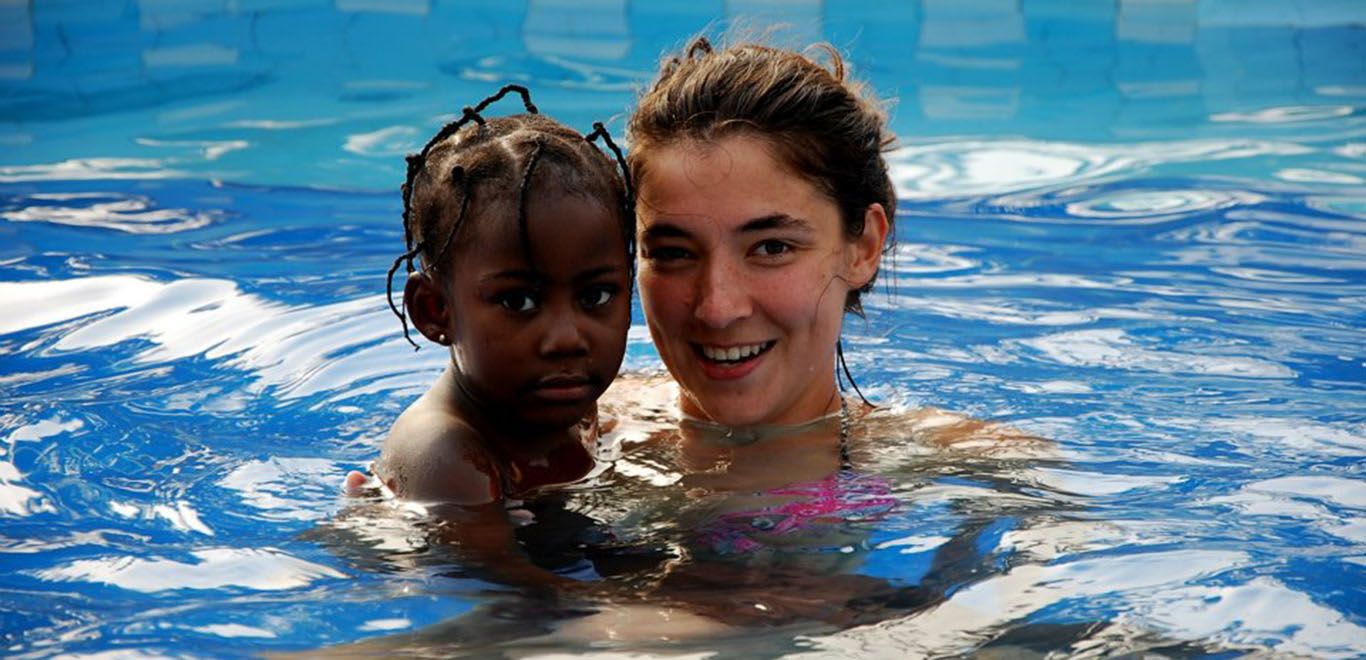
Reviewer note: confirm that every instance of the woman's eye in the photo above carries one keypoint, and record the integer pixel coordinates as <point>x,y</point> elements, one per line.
<point>772,248</point>
<point>597,297</point>
<point>666,253</point>
<point>517,302</point>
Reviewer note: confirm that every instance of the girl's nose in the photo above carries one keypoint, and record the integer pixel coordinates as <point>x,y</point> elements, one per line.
<point>721,296</point>
<point>563,337</point>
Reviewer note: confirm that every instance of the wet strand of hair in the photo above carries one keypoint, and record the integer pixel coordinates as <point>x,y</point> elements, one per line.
<point>535,156</point>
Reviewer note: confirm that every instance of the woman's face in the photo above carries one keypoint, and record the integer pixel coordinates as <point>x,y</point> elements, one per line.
<point>743,277</point>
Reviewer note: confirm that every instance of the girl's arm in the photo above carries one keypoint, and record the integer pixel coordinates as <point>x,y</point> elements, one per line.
<point>434,459</point>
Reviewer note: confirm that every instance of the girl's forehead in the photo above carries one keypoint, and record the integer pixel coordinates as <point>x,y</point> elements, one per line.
<point>497,223</point>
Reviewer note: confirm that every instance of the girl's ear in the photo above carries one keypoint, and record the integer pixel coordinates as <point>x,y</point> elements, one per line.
<point>865,251</point>
<point>427,309</point>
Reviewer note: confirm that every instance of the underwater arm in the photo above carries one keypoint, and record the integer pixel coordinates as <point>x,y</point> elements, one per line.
<point>436,460</point>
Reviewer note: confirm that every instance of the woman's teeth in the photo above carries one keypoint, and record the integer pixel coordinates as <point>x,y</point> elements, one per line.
<point>733,353</point>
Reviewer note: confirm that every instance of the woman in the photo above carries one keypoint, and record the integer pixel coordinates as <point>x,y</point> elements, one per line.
<point>763,206</point>
<point>763,209</point>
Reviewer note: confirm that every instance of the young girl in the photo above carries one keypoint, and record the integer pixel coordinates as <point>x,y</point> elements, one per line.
<point>523,236</point>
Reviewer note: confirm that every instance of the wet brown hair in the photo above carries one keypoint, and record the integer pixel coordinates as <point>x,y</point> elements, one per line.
<point>474,160</point>
<point>818,122</point>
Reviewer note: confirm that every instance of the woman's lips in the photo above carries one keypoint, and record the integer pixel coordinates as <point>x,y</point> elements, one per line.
<point>717,363</point>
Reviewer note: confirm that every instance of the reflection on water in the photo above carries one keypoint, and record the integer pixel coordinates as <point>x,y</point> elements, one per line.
<point>214,568</point>
<point>228,90</point>
<point>130,214</point>
<point>1135,229</point>
<point>1191,357</point>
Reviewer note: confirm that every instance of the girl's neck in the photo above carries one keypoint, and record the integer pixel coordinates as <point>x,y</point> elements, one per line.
<point>555,454</point>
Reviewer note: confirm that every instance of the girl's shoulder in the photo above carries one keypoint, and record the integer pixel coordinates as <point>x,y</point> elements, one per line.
<point>432,455</point>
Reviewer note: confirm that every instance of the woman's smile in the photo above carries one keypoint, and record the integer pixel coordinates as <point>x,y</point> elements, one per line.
<point>743,279</point>
<point>731,362</point>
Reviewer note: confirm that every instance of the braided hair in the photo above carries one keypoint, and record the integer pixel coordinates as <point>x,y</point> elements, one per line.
<point>474,159</point>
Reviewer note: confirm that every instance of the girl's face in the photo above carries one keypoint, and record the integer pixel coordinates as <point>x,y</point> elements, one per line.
<point>537,342</point>
<point>743,276</point>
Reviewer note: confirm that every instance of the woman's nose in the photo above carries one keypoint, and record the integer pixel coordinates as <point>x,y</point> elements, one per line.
<point>721,297</point>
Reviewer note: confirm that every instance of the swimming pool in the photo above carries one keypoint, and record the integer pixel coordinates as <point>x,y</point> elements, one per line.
<point>1133,227</point>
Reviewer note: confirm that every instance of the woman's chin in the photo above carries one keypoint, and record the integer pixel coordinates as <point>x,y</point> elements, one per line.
<point>727,408</point>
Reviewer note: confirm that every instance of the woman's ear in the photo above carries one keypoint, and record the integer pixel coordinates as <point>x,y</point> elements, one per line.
<point>426,304</point>
<point>865,251</point>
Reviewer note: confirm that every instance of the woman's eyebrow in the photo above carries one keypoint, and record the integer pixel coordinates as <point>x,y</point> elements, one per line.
<point>664,230</point>
<point>775,221</point>
<point>762,223</point>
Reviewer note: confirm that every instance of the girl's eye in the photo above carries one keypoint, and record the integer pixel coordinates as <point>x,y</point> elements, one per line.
<point>517,301</point>
<point>772,248</point>
<point>597,297</point>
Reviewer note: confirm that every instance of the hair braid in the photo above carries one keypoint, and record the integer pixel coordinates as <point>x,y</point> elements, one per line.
<point>536,150</point>
<point>500,156</point>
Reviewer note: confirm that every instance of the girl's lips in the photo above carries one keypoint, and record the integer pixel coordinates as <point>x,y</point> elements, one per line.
<point>565,388</point>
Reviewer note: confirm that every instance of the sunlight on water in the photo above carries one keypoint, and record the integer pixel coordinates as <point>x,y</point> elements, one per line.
<point>215,568</point>
<point>966,169</point>
<point>1132,232</point>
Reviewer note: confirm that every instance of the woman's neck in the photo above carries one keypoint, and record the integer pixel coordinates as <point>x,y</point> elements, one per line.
<point>814,408</point>
<point>762,455</point>
<point>759,457</point>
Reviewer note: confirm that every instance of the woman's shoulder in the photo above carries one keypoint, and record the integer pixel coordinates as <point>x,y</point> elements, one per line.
<point>935,430</point>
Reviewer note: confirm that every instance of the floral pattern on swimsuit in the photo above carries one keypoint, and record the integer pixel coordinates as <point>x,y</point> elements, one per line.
<point>812,517</point>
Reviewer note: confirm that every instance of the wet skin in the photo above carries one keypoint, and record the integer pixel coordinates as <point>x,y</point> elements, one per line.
<point>743,275</point>
<point>533,344</point>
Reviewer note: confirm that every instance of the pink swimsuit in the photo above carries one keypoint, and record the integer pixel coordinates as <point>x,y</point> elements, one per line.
<point>815,509</point>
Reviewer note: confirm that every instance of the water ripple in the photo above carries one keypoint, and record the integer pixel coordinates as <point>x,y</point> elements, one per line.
<point>970,615</point>
<point>547,70</point>
<point>389,141</point>
<point>1148,207</point>
<point>87,169</point>
<point>1285,114</point>
<point>976,168</point>
<point>294,349</point>
<point>215,568</point>
<point>1016,312</point>
<point>284,488</point>
<point>929,259</point>
<point>1116,349</point>
<point>133,214</point>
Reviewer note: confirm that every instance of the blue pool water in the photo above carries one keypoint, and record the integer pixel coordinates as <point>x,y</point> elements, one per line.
<point>1136,228</point>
